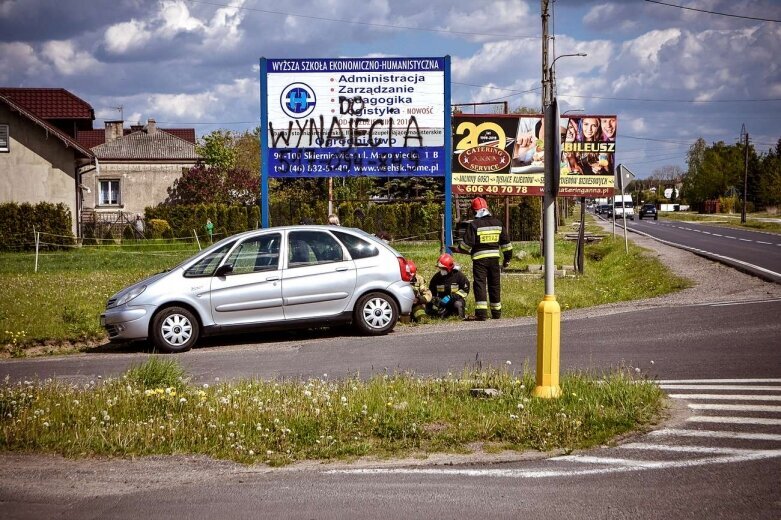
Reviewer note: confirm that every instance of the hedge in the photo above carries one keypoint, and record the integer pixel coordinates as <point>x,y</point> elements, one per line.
<point>17,222</point>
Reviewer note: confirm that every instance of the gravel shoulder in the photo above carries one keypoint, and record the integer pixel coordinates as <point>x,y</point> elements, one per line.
<point>27,478</point>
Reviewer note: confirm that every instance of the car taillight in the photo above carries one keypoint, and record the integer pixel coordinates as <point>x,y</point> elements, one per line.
<point>406,275</point>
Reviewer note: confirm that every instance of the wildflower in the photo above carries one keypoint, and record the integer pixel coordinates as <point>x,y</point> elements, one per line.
<point>344,399</point>
<point>307,393</point>
<point>508,362</point>
<point>513,416</point>
<point>182,400</point>
<point>637,370</point>
<point>520,406</point>
<point>251,452</point>
<point>269,452</point>
<point>206,385</point>
<point>46,424</point>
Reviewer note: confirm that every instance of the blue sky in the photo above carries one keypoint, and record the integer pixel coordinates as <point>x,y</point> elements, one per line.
<point>671,75</point>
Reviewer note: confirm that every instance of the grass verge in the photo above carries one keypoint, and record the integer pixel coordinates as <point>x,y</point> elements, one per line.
<point>731,221</point>
<point>282,422</point>
<point>57,309</point>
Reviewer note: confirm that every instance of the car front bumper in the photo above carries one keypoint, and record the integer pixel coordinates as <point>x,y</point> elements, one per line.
<point>126,322</point>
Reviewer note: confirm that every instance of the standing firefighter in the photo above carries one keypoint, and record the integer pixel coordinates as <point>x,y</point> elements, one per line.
<point>422,293</point>
<point>450,288</point>
<point>487,241</point>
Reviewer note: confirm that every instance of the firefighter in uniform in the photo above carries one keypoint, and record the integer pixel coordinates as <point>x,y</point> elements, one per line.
<point>449,287</point>
<point>422,293</point>
<point>488,243</point>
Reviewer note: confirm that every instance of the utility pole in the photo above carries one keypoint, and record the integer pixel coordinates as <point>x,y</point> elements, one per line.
<point>548,311</point>
<point>744,135</point>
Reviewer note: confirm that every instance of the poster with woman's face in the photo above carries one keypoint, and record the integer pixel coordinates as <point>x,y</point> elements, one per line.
<point>589,146</point>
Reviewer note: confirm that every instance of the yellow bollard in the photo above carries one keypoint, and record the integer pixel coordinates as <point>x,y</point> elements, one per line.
<point>548,347</point>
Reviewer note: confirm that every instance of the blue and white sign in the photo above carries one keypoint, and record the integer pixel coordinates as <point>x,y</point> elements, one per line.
<point>355,117</point>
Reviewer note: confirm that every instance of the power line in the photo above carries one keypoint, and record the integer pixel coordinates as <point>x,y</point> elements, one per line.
<point>370,24</point>
<point>673,100</point>
<point>714,12</point>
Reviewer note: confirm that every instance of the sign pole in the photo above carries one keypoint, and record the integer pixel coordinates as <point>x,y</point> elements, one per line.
<point>264,143</point>
<point>447,132</point>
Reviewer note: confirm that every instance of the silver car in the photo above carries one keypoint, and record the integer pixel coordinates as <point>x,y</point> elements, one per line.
<point>291,276</point>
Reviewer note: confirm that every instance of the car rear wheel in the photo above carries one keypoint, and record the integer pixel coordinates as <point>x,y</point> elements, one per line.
<point>376,313</point>
<point>174,329</point>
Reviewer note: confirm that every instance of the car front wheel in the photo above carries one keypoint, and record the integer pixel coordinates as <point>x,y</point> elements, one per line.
<point>376,313</point>
<point>174,329</point>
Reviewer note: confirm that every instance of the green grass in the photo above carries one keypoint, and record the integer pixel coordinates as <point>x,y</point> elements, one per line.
<point>61,303</point>
<point>281,422</point>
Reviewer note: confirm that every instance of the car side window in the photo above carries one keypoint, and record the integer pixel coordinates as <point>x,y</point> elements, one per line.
<point>256,254</point>
<point>208,264</point>
<point>311,248</point>
<point>357,247</point>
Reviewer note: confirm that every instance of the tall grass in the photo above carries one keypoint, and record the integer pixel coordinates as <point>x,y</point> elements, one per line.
<point>281,422</point>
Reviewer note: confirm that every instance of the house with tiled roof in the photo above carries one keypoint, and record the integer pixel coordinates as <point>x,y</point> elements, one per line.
<point>40,159</point>
<point>136,166</point>
<point>49,151</point>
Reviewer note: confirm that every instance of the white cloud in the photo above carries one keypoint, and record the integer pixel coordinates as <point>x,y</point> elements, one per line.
<point>188,106</point>
<point>66,59</point>
<point>17,61</point>
<point>126,36</point>
<point>176,17</point>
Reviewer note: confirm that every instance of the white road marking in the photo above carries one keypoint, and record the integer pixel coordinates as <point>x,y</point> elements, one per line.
<point>726,397</point>
<point>731,238</point>
<point>617,466</point>
<point>745,240</point>
<point>765,243</point>
<point>684,449</point>
<point>666,432</point>
<point>722,387</point>
<point>692,381</point>
<point>734,420</point>
<point>736,407</point>
<point>717,235</point>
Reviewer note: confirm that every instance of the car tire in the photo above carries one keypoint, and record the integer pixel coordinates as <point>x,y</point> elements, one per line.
<point>174,329</point>
<point>375,314</point>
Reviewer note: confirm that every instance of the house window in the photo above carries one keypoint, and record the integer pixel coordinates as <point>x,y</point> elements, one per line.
<point>109,192</point>
<point>5,139</point>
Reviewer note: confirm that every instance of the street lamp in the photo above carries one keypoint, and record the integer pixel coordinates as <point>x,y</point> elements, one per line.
<point>549,311</point>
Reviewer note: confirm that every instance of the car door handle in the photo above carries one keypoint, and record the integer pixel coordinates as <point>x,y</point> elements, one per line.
<point>340,269</point>
<point>272,278</point>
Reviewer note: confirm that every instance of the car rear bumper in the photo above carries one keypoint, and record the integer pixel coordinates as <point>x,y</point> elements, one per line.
<point>404,295</point>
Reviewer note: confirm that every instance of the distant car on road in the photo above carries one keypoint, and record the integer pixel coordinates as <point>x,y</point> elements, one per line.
<point>649,210</point>
<point>604,209</point>
<point>285,277</point>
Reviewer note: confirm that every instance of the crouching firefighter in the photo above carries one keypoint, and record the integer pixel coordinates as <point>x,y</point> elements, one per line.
<point>488,243</point>
<point>423,294</point>
<point>449,287</point>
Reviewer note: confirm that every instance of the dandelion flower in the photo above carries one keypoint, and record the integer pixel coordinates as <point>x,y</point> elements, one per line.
<point>508,362</point>
<point>182,400</point>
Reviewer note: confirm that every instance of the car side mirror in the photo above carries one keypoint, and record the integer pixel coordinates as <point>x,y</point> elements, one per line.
<point>223,270</point>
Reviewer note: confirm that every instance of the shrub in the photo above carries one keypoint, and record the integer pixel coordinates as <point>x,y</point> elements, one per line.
<point>156,227</point>
<point>17,222</point>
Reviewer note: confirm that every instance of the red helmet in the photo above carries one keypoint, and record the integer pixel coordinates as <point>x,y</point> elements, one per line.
<point>411,267</point>
<point>479,203</point>
<point>446,262</point>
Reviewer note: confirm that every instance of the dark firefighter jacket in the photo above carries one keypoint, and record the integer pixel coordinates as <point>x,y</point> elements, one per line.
<point>486,238</point>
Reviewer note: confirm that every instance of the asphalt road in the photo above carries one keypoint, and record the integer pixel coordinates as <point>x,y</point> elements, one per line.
<point>754,252</point>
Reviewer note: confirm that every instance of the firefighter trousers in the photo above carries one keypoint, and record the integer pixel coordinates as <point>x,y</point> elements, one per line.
<point>488,287</point>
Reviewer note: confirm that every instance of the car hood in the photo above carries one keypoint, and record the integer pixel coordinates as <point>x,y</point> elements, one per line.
<point>146,281</point>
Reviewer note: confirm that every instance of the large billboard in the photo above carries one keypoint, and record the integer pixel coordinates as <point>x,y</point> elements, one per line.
<point>503,155</point>
<point>354,117</point>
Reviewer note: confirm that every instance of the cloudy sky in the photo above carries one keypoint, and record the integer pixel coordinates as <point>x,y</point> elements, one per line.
<point>671,75</point>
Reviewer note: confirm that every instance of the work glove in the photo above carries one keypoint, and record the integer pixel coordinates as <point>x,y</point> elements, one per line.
<point>505,264</point>
<point>445,299</point>
<point>435,301</point>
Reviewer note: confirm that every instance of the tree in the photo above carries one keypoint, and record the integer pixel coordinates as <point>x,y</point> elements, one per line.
<point>212,185</point>
<point>217,149</point>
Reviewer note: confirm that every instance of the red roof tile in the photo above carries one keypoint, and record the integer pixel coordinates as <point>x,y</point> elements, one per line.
<point>50,103</point>
<point>93,138</point>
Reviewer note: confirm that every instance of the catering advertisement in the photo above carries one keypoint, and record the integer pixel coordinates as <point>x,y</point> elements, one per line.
<point>503,155</point>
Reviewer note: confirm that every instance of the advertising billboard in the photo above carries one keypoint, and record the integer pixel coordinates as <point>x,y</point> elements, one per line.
<point>346,117</point>
<point>503,155</point>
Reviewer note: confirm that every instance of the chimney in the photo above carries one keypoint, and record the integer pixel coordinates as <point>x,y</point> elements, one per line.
<point>113,130</point>
<point>151,126</point>
<point>136,128</point>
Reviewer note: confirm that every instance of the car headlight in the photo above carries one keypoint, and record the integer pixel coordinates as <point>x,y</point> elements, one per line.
<point>135,293</point>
